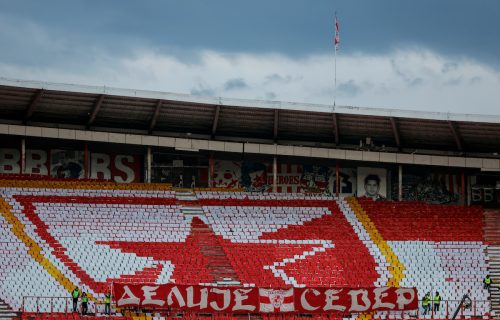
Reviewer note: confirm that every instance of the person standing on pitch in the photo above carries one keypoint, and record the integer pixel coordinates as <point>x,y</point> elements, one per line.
<point>107,303</point>
<point>85,301</point>
<point>426,303</point>
<point>75,295</point>
<point>487,282</point>
<point>437,302</point>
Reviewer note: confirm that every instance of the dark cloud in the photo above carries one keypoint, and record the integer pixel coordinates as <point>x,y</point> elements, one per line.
<point>299,28</point>
<point>235,84</point>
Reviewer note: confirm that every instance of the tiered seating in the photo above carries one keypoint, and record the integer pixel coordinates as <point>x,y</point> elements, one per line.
<point>61,238</point>
<point>440,247</point>
<point>296,245</point>
<point>56,235</point>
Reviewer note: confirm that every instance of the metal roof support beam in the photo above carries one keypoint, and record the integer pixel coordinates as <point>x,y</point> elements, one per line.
<point>216,120</point>
<point>395,132</point>
<point>95,110</point>
<point>33,105</point>
<point>336,129</point>
<point>456,135</point>
<point>276,122</point>
<point>152,123</point>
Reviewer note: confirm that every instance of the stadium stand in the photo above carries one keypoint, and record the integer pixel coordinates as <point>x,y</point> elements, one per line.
<point>56,235</point>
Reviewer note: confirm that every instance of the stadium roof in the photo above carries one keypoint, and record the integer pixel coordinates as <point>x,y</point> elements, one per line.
<point>168,114</point>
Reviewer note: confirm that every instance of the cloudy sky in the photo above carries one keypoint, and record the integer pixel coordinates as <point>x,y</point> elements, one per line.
<point>418,55</point>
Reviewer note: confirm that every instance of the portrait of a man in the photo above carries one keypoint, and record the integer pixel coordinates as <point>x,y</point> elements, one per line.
<point>372,183</point>
<point>372,187</point>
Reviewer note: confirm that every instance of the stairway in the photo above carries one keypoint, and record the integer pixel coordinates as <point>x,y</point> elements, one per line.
<point>210,245</point>
<point>189,204</point>
<point>5,311</point>
<point>492,237</point>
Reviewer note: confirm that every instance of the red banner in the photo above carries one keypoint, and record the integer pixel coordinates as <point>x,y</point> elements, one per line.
<point>350,300</point>
<point>250,300</point>
<point>191,298</point>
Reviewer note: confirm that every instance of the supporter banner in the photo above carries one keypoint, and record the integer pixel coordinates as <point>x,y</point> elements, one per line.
<point>226,174</point>
<point>191,298</point>
<point>247,300</point>
<point>485,190</point>
<point>254,176</point>
<point>274,301</point>
<point>69,164</point>
<point>372,183</point>
<point>115,167</point>
<point>347,177</point>
<point>314,179</point>
<point>258,177</point>
<point>432,187</point>
<point>346,300</point>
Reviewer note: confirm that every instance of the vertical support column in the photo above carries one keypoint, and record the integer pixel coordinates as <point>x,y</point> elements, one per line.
<point>23,155</point>
<point>49,161</point>
<point>148,165</point>
<point>275,174</point>
<point>400,183</point>
<point>337,178</point>
<point>211,169</point>
<point>86,159</point>
<point>462,190</point>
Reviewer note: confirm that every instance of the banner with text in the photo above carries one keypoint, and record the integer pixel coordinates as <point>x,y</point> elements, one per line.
<point>70,164</point>
<point>290,178</point>
<point>248,300</point>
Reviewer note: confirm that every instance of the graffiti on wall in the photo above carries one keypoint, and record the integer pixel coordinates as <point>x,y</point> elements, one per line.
<point>437,188</point>
<point>254,176</point>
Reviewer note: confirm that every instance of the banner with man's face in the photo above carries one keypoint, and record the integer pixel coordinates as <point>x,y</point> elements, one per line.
<point>67,164</point>
<point>372,183</point>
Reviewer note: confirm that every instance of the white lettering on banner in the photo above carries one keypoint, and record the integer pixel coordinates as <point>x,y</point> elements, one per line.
<point>149,292</point>
<point>227,299</point>
<point>355,306</point>
<point>180,299</point>
<point>9,161</point>
<point>36,162</point>
<point>119,165</point>
<point>304,300</point>
<point>99,163</point>
<point>305,303</point>
<point>131,299</point>
<point>402,301</point>
<point>241,295</point>
<point>331,296</point>
<point>203,299</point>
<point>379,295</point>
<point>122,169</point>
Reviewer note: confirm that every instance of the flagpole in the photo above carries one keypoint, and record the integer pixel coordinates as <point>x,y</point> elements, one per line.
<point>335,45</point>
<point>335,81</point>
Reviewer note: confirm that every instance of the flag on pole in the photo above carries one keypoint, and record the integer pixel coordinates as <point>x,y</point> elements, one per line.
<point>337,35</point>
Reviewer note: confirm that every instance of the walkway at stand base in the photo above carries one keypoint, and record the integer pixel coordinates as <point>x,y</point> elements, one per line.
<point>56,235</point>
<point>68,316</point>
